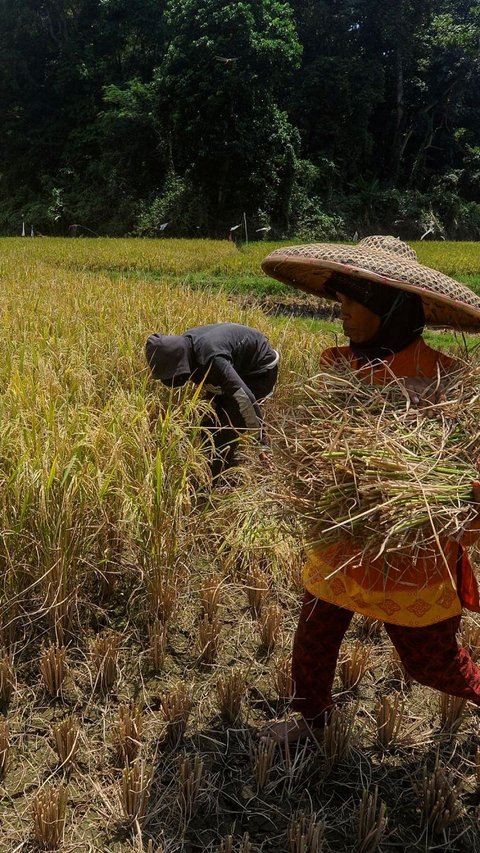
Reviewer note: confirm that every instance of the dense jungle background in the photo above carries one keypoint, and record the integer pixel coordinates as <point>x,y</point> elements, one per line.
<point>315,118</point>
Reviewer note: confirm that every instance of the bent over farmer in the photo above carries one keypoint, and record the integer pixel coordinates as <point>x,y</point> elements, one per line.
<point>385,297</point>
<point>238,368</point>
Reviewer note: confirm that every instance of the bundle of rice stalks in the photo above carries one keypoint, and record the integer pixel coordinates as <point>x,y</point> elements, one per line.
<point>53,667</point>
<point>230,690</point>
<point>305,833</point>
<point>228,845</point>
<point>388,717</point>
<point>104,659</point>
<point>176,708</point>
<point>190,779</point>
<point>440,798</point>
<point>135,791</point>
<point>338,736</point>
<point>354,665</point>
<point>452,712</point>
<point>371,822</point>
<point>261,760</point>
<point>356,461</point>
<point>49,810</point>
<point>66,736</point>
<point>128,731</point>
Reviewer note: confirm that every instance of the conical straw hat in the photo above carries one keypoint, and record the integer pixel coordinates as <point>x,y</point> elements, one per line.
<point>386,260</point>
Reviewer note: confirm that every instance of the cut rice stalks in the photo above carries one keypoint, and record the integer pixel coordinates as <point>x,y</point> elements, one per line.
<point>359,464</point>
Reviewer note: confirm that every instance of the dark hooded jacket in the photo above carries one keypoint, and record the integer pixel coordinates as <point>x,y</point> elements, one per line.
<point>227,357</point>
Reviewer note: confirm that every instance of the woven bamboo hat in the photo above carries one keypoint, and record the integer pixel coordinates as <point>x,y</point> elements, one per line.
<point>386,260</point>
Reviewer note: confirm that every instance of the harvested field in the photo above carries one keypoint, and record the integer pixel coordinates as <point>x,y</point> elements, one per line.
<point>146,622</point>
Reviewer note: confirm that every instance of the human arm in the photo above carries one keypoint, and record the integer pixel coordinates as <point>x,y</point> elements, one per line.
<point>245,412</point>
<point>472,528</point>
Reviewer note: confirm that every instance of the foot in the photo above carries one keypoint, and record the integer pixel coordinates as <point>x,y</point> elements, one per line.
<point>290,731</point>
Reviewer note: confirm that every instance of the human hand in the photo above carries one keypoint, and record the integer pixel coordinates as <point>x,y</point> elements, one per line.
<point>424,393</point>
<point>265,457</point>
<point>472,528</point>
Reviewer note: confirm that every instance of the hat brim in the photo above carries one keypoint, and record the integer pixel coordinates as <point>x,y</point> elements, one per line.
<point>312,273</point>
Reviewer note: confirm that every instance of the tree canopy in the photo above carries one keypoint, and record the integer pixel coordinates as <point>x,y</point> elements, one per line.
<point>316,118</point>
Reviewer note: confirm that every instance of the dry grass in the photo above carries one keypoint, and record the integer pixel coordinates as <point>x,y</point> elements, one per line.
<point>128,731</point>
<point>104,650</point>
<point>282,677</point>
<point>440,798</point>
<point>53,667</point>
<point>338,736</point>
<point>354,665</point>
<point>230,694</point>
<point>135,791</point>
<point>452,711</point>
<point>190,779</point>
<point>389,714</point>
<point>261,759</point>
<point>371,822</point>
<point>66,736</point>
<point>306,834</point>
<point>257,589</point>
<point>270,624</point>
<point>176,707</point>
<point>49,808</point>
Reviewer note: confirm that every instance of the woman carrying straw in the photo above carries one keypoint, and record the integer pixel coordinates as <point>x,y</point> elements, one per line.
<point>386,297</point>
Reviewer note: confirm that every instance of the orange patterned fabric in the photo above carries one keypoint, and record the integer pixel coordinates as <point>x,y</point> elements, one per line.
<point>413,590</point>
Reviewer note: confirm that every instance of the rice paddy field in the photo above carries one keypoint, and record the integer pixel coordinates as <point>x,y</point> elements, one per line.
<point>146,620</point>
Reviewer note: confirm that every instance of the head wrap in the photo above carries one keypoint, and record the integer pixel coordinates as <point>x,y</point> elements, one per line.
<point>402,319</point>
<point>168,358</point>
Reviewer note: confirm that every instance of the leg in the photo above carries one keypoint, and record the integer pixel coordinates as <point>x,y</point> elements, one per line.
<point>316,645</point>
<point>231,422</point>
<point>432,656</point>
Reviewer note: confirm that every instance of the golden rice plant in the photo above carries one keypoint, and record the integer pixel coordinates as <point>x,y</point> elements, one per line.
<point>440,797</point>
<point>53,667</point>
<point>256,589</point>
<point>306,833</point>
<point>261,760</point>
<point>452,712</point>
<point>270,624</point>
<point>282,677</point>
<point>372,821</point>
<point>128,731</point>
<point>60,583</point>
<point>49,807</point>
<point>135,791</point>
<point>176,708</point>
<point>66,736</point>
<point>190,780</point>
<point>337,738</point>
<point>7,679</point>
<point>230,689</point>
<point>210,595</point>
<point>389,713</point>
<point>157,633</point>
<point>163,593</point>
<point>354,665</point>
<point>104,649</point>
<point>4,747</point>
<point>208,639</point>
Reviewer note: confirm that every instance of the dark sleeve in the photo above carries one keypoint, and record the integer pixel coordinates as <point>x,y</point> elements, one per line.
<point>222,374</point>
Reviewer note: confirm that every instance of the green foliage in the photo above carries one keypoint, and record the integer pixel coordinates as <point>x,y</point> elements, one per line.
<point>318,118</point>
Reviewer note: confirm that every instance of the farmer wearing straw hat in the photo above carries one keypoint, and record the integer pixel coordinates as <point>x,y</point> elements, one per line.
<point>386,297</point>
